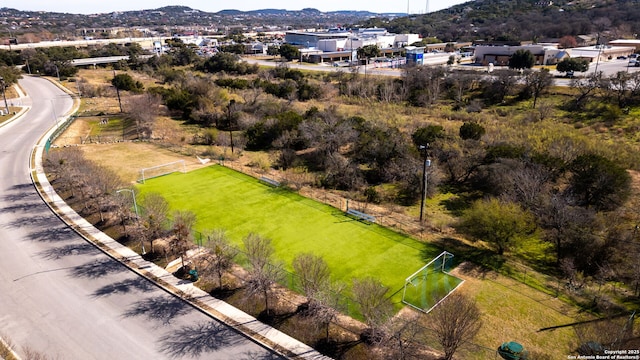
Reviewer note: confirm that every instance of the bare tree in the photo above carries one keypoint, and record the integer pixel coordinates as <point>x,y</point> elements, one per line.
<point>618,87</point>
<point>454,322</point>
<point>326,306</point>
<point>122,209</point>
<point>586,89</point>
<point>565,224</point>
<point>325,298</point>
<point>458,85</point>
<point>143,109</point>
<point>259,250</point>
<point>423,84</point>
<point>105,183</point>
<point>183,223</point>
<point>500,85</point>
<point>327,132</point>
<point>459,159</point>
<point>375,306</point>
<point>220,257</point>
<point>524,183</point>
<point>262,273</point>
<point>313,273</point>
<point>388,90</point>
<point>537,83</point>
<point>156,211</point>
<point>403,337</point>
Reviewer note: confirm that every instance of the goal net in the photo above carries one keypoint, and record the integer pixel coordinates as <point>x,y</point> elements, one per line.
<point>430,285</point>
<point>160,170</point>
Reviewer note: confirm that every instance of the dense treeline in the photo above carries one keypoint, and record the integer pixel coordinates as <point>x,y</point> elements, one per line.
<point>520,20</point>
<point>56,61</point>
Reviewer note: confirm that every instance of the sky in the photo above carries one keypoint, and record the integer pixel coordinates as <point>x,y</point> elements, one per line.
<point>93,7</point>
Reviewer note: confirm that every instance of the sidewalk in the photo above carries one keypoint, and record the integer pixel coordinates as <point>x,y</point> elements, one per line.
<point>235,318</point>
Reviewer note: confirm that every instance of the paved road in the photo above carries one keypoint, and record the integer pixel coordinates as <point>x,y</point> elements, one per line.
<point>62,297</point>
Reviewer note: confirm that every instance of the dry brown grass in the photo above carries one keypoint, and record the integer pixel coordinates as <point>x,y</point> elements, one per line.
<point>126,159</point>
<point>513,311</point>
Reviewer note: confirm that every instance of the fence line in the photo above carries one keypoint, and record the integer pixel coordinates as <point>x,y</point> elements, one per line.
<point>386,218</point>
<point>290,281</point>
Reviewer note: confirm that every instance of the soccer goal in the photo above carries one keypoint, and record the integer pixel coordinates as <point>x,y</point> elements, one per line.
<point>160,170</point>
<point>430,285</point>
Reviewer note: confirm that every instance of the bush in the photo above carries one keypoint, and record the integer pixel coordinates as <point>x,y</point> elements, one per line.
<point>283,90</point>
<point>308,91</point>
<point>126,82</point>
<point>233,83</point>
<point>372,195</point>
<point>470,130</point>
<point>229,63</point>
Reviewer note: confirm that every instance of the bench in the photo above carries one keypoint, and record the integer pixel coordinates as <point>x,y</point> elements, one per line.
<point>361,216</point>
<point>269,181</point>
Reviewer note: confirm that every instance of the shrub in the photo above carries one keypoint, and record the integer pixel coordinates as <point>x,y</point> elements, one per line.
<point>470,130</point>
<point>126,82</point>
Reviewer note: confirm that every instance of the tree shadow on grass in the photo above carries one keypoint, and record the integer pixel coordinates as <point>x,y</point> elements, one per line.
<point>124,287</point>
<point>223,293</point>
<point>98,268</point>
<point>336,349</point>
<point>464,252</point>
<point>159,308</point>
<point>275,319</point>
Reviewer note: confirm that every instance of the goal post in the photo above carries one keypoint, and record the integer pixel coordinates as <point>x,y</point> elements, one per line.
<point>160,170</point>
<point>431,284</point>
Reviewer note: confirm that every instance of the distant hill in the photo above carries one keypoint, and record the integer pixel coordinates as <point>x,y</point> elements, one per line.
<point>521,20</point>
<point>183,16</point>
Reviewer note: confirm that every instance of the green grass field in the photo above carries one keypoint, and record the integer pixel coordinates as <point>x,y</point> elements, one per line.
<point>424,292</point>
<point>225,199</point>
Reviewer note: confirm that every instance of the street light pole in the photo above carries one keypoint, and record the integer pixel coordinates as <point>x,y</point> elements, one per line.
<point>425,164</point>
<point>133,195</point>
<point>135,206</point>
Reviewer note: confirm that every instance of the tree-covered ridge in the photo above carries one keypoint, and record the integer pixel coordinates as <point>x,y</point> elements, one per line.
<point>520,20</point>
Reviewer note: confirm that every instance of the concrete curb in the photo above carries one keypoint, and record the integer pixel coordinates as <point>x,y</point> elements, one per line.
<point>23,109</point>
<point>16,116</point>
<point>261,333</point>
<point>6,345</point>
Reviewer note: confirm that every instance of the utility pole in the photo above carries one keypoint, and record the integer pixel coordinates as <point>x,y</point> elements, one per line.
<point>425,164</point>
<point>4,85</point>
<point>118,93</point>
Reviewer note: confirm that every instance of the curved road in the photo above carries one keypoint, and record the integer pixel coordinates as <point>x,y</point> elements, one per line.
<point>62,297</point>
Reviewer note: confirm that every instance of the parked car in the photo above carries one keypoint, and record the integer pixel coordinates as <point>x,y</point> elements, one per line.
<point>622,57</point>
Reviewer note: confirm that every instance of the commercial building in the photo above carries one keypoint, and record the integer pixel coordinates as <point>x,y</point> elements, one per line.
<point>549,54</point>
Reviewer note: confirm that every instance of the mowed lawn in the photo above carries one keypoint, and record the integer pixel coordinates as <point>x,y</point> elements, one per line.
<point>222,198</point>
<point>426,291</point>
